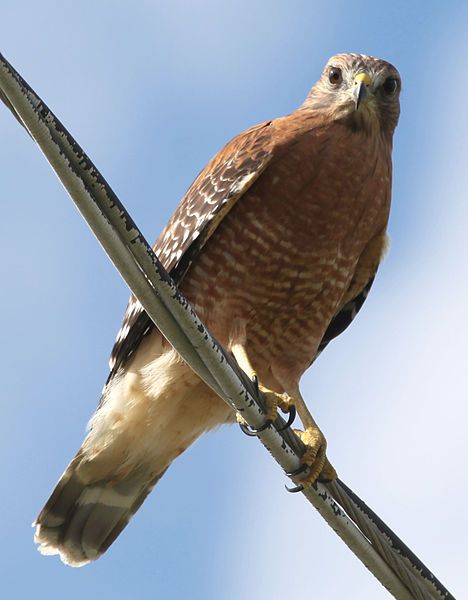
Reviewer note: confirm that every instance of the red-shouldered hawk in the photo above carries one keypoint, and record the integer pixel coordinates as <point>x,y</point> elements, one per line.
<point>275,245</point>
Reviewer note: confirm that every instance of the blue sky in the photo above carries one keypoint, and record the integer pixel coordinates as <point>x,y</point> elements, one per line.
<point>152,91</point>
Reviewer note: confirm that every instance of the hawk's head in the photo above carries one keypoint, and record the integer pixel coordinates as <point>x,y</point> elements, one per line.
<point>361,90</point>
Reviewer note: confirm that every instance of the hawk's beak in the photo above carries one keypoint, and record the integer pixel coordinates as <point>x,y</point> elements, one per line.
<point>361,88</point>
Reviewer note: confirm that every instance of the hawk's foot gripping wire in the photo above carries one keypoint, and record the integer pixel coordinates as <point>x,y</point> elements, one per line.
<point>315,464</point>
<point>274,400</point>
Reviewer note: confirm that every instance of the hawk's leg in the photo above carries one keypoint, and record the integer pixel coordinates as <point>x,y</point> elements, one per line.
<point>274,400</point>
<point>314,460</point>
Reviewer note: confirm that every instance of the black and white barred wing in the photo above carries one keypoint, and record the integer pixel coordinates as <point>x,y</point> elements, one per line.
<point>212,195</point>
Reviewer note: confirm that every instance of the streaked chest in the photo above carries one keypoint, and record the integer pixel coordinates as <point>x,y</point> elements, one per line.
<point>291,243</point>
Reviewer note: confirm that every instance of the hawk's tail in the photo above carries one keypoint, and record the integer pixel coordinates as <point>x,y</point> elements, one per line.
<point>81,520</point>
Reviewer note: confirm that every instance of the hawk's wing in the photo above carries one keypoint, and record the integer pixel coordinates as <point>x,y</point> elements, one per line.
<point>211,196</point>
<point>359,288</point>
<point>344,317</point>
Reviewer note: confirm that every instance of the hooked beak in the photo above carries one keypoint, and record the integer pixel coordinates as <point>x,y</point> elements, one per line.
<point>361,89</point>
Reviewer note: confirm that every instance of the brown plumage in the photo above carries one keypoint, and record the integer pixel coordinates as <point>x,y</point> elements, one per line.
<point>275,245</point>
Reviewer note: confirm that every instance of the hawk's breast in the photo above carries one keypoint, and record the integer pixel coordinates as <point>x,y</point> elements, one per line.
<point>281,260</point>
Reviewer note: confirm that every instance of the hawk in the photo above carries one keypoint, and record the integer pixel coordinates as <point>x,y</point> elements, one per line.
<point>275,245</point>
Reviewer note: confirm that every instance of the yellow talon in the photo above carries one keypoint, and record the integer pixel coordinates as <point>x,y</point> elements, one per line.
<point>275,401</point>
<point>272,402</point>
<point>315,456</point>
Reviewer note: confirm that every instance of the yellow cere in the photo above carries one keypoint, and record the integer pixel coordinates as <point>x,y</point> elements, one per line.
<point>364,77</point>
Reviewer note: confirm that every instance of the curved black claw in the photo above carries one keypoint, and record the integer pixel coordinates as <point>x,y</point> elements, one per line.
<point>295,489</point>
<point>301,469</point>
<point>292,416</point>
<point>253,432</point>
<point>246,429</point>
<point>249,430</point>
<point>255,382</point>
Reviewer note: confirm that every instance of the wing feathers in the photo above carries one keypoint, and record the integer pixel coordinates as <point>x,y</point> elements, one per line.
<point>216,190</point>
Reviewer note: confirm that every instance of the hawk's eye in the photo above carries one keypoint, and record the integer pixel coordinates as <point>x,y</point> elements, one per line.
<point>390,85</point>
<point>335,76</point>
